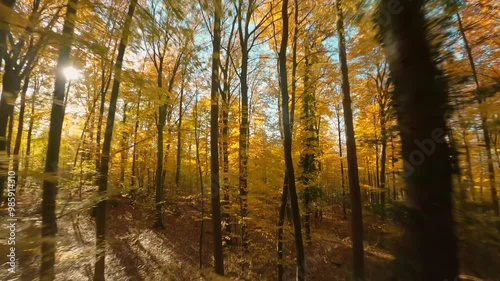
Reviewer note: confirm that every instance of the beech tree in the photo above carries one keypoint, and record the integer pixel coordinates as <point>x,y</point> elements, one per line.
<point>50,185</point>
<point>214,140</point>
<point>352,162</point>
<point>287,144</point>
<point>105,158</point>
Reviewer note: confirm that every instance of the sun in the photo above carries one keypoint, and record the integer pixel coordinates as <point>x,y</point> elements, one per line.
<point>71,73</point>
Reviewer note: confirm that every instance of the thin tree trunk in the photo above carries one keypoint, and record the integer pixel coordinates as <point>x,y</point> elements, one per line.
<point>200,177</point>
<point>20,123</point>
<point>383,159</point>
<point>50,186</point>
<point>494,140</point>
<point>124,145</point>
<point>394,194</point>
<point>470,177</point>
<point>179,138</point>
<point>244,124</point>
<point>134,152</point>
<point>283,204</point>
<point>226,213</point>
<point>214,141</point>
<point>344,212</point>
<point>356,216</point>
<point>226,99</point>
<point>481,178</point>
<point>455,167</point>
<point>281,222</point>
<point>495,148</point>
<point>162,115</point>
<point>287,145</point>
<point>106,149</point>
<point>105,81</point>
<point>30,133</point>
<point>9,134</point>
<point>284,198</point>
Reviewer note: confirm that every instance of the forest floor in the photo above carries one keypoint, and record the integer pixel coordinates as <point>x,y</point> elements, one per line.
<point>137,252</point>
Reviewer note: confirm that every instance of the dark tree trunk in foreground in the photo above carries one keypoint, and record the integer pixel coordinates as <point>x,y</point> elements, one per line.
<point>106,148</point>
<point>287,145</point>
<point>50,185</point>
<point>214,141</point>
<point>420,95</point>
<point>352,165</point>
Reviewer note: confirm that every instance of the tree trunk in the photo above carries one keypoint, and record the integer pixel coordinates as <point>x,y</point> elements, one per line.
<point>283,204</point>
<point>214,141</point>
<point>106,149</point>
<point>179,138</point>
<point>420,96</point>
<point>162,112</point>
<point>287,145</point>
<point>19,135</point>
<point>281,222</point>
<point>10,91</point>
<point>341,164</point>
<point>470,177</point>
<point>383,159</point>
<point>30,133</point>
<point>310,142</point>
<point>124,145</point>
<point>9,134</point>
<point>455,168</point>
<point>134,151</point>
<point>226,98</point>
<point>226,213</point>
<point>200,178</point>
<point>481,178</point>
<point>494,140</point>
<point>356,216</point>
<point>244,124</point>
<point>393,161</point>
<point>50,186</point>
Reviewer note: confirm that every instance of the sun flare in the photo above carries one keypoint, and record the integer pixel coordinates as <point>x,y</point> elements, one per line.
<point>71,73</point>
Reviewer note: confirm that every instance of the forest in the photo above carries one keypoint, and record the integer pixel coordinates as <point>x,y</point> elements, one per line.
<point>250,140</point>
